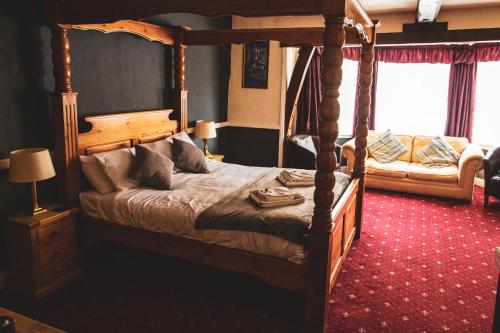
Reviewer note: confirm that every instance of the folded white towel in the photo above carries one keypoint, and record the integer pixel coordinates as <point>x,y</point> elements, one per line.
<point>296,178</point>
<point>296,175</point>
<point>275,194</point>
<point>297,198</point>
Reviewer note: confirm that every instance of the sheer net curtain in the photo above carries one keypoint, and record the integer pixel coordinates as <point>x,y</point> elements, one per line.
<point>486,129</point>
<point>412,98</point>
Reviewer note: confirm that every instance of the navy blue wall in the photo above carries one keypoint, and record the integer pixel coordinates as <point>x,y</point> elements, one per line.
<point>111,72</point>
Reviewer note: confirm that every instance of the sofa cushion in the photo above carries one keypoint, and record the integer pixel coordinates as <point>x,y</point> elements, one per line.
<point>386,148</point>
<point>448,174</point>
<point>459,144</point>
<point>406,140</point>
<point>438,153</point>
<point>396,169</point>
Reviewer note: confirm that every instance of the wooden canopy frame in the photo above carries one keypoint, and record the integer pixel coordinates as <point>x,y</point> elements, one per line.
<point>332,229</point>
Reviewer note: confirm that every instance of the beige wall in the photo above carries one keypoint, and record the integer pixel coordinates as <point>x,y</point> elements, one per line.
<point>255,107</point>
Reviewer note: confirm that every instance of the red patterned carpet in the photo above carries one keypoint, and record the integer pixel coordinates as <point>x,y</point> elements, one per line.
<point>422,265</point>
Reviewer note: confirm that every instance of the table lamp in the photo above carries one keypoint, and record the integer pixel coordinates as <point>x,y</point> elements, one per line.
<point>205,129</point>
<point>29,166</point>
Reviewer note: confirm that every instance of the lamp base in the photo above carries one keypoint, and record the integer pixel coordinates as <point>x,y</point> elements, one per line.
<point>205,149</point>
<point>38,210</point>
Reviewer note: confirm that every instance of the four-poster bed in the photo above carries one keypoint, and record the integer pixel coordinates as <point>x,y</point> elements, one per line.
<point>333,227</point>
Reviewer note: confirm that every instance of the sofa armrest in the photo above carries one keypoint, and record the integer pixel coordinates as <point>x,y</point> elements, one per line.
<point>470,162</point>
<point>348,153</point>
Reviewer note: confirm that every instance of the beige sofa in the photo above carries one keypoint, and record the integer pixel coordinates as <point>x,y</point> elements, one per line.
<point>407,174</point>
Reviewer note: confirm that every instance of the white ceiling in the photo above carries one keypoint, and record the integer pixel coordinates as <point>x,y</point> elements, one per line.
<point>389,6</point>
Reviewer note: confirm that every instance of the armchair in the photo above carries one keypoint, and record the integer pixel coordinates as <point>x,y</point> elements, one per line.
<point>492,175</point>
<point>299,157</point>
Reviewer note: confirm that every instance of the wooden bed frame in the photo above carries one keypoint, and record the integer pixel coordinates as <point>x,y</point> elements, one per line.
<point>333,228</point>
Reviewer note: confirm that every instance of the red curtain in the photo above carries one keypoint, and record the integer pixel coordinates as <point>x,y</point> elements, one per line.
<point>461,100</point>
<point>352,53</point>
<point>310,97</point>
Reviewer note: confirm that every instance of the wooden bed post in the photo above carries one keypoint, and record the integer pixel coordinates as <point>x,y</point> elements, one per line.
<point>64,119</point>
<point>362,116</point>
<point>319,263</point>
<point>180,94</point>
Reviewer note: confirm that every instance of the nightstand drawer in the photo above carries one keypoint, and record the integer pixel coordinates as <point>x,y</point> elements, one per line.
<point>57,253</point>
<point>62,230</point>
<point>57,269</point>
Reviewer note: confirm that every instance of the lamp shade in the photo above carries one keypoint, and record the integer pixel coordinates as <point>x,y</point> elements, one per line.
<point>205,129</point>
<point>29,165</point>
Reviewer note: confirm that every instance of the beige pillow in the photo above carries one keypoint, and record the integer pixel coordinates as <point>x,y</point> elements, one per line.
<point>116,164</point>
<point>386,147</point>
<point>96,176</point>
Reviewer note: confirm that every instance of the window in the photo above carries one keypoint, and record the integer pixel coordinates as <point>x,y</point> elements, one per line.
<point>347,96</point>
<point>412,98</point>
<point>487,112</point>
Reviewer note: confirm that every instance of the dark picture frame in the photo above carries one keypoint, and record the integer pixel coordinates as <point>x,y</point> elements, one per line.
<point>255,65</point>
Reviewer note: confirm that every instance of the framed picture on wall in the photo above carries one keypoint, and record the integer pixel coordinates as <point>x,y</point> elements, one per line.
<point>255,64</point>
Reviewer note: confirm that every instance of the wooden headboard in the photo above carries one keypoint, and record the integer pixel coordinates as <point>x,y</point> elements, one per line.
<point>115,131</point>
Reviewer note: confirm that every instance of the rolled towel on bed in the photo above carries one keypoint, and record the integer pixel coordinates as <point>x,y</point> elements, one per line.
<point>275,197</point>
<point>296,178</point>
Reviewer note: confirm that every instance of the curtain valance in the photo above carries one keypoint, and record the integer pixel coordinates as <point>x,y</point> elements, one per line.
<point>440,54</point>
<point>352,53</point>
<point>433,54</point>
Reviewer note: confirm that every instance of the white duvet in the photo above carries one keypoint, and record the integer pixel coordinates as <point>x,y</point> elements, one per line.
<point>174,212</point>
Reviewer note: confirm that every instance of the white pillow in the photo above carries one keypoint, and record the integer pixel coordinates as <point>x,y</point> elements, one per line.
<point>92,169</point>
<point>180,136</point>
<point>116,164</point>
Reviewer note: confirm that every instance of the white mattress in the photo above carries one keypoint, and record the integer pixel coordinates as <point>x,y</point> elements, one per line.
<point>174,212</point>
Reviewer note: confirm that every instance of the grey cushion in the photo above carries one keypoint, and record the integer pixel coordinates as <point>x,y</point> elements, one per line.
<point>189,157</point>
<point>151,168</point>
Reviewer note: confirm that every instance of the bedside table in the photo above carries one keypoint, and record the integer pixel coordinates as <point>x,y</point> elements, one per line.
<point>219,158</point>
<point>42,251</point>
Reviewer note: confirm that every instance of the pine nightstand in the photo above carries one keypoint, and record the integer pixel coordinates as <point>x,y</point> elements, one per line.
<point>219,158</point>
<point>42,251</point>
